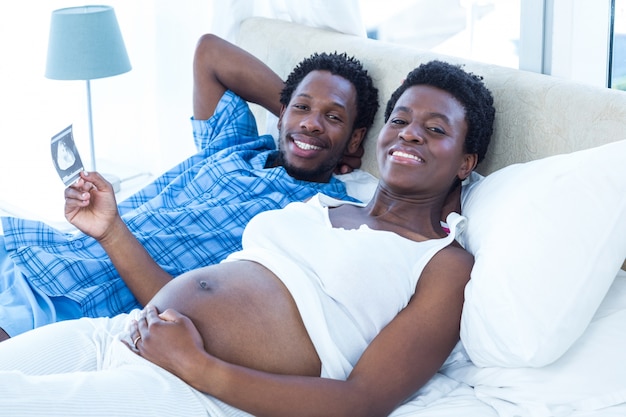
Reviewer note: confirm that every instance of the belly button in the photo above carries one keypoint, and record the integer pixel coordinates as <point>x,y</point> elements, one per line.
<point>206,285</point>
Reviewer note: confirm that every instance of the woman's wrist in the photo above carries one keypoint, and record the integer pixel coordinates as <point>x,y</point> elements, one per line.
<point>204,372</point>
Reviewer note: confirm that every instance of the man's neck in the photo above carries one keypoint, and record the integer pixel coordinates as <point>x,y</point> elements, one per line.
<point>272,160</point>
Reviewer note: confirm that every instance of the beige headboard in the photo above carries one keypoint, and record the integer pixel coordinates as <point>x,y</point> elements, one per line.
<point>537,115</point>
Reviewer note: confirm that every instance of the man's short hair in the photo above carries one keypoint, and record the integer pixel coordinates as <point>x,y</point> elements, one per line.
<point>346,67</point>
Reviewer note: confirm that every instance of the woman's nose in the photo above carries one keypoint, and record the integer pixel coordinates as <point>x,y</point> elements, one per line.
<point>412,133</point>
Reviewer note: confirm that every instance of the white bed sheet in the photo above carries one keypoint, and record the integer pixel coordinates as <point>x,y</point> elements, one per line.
<point>445,397</point>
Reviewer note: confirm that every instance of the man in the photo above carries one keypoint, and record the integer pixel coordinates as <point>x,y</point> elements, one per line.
<point>194,214</point>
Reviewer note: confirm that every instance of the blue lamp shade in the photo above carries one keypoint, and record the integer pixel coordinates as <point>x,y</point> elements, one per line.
<point>85,43</point>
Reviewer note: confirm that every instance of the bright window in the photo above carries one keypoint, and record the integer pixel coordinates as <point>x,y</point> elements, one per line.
<point>562,38</point>
<point>618,45</point>
<point>481,30</point>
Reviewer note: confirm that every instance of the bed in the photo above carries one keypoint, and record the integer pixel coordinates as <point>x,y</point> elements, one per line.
<point>544,322</point>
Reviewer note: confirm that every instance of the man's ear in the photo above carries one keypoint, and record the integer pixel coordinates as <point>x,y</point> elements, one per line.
<point>280,117</point>
<point>358,135</point>
<point>470,160</point>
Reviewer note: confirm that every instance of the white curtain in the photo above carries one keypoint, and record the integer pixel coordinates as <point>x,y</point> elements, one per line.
<point>342,15</point>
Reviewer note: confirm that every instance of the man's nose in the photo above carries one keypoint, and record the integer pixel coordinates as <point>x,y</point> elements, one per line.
<point>312,122</point>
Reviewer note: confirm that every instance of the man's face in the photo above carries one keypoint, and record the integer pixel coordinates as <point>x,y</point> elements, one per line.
<point>316,127</point>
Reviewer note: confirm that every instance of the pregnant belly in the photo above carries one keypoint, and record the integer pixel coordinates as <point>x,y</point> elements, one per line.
<point>245,315</point>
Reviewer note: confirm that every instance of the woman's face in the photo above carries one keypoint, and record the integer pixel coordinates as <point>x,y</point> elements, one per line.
<point>421,147</point>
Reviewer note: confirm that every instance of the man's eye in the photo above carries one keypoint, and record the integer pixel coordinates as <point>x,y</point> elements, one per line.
<point>398,122</point>
<point>437,130</point>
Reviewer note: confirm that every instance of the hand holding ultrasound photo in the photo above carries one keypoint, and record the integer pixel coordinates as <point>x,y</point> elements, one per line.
<point>65,156</point>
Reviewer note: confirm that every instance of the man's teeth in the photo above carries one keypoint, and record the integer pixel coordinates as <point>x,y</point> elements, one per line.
<point>306,146</point>
<point>407,155</point>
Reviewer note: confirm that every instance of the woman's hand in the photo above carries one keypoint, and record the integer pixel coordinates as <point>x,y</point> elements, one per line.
<point>171,341</point>
<point>90,204</point>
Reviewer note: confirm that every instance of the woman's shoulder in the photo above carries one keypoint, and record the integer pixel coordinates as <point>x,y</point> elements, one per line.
<point>452,263</point>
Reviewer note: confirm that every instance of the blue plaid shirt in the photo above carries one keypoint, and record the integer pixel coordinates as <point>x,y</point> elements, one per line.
<point>191,216</point>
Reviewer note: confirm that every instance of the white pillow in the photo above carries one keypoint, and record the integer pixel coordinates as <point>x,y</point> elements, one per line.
<point>590,376</point>
<point>548,237</point>
<point>359,184</point>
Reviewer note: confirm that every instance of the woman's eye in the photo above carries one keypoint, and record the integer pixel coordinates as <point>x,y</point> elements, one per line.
<point>437,130</point>
<point>398,122</point>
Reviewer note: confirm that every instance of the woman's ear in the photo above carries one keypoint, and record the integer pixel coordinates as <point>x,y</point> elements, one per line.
<point>470,160</point>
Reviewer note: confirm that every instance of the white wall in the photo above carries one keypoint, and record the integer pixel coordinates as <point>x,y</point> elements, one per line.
<point>141,118</point>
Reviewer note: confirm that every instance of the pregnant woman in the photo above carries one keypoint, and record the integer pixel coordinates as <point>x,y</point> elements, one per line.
<point>331,308</point>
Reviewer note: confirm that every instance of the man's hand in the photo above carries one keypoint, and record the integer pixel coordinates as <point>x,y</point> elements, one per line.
<point>350,161</point>
<point>90,204</point>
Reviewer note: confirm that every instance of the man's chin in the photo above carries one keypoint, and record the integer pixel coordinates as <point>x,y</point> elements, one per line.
<point>311,174</point>
<point>307,174</point>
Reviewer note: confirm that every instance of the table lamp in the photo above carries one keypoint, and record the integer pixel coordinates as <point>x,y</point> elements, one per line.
<point>86,43</point>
